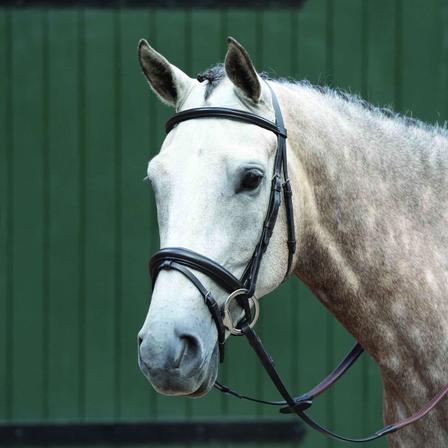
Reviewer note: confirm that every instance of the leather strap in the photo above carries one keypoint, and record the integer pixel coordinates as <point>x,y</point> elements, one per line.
<point>298,407</point>
<point>349,359</point>
<point>224,112</point>
<point>305,400</point>
<point>209,300</point>
<point>195,261</point>
<point>287,192</point>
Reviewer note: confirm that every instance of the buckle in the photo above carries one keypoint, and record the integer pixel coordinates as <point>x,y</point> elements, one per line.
<point>287,187</point>
<point>227,319</point>
<point>276,183</point>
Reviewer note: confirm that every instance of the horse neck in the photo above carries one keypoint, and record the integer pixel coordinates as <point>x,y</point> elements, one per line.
<point>373,244</point>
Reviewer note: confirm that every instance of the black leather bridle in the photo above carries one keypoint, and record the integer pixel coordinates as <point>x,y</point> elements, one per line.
<point>242,290</point>
<point>181,259</point>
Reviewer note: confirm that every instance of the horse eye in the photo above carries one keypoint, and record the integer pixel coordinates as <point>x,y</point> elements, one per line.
<point>251,180</point>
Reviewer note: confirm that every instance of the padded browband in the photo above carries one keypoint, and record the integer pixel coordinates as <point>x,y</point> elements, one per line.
<point>195,261</point>
<point>224,112</point>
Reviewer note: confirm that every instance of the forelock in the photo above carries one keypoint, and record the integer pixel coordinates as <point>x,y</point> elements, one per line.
<point>213,76</point>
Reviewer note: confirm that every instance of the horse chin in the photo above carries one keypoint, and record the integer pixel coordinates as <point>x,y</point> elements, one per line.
<point>202,390</point>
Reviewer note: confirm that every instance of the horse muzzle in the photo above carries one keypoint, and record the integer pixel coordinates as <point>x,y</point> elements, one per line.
<point>176,364</point>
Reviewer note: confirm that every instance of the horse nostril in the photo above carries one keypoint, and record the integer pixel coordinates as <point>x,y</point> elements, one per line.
<point>190,353</point>
<point>140,340</point>
<point>192,344</point>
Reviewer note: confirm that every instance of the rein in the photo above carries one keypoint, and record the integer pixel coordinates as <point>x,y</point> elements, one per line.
<point>242,290</point>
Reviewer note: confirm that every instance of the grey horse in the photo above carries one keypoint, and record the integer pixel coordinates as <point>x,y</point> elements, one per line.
<point>371,209</point>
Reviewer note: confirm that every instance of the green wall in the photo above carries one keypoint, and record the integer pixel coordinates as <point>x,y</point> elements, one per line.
<point>77,127</point>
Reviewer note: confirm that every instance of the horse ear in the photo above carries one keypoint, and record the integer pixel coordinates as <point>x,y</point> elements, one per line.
<point>241,71</point>
<point>169,82</point>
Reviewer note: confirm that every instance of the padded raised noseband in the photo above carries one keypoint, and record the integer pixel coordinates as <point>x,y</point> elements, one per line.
<point>195,261</point>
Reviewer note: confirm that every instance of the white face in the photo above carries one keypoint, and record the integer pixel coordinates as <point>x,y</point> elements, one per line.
<point>211,181</point>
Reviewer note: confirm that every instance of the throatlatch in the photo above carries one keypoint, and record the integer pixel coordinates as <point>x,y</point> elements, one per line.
<point>242,290</point>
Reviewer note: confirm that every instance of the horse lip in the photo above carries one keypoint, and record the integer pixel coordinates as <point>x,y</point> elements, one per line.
<point>199,391</point>
<point>202,389</point>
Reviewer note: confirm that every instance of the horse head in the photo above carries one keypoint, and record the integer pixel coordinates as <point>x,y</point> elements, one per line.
<point>212,183</point>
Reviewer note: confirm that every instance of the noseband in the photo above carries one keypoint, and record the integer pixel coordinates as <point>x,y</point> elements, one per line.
<point>242,290</point>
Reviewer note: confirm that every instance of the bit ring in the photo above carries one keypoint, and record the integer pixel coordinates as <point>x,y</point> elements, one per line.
<point>227,319</point>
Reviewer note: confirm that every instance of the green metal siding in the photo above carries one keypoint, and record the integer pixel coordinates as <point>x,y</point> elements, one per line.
<point>77,127</point>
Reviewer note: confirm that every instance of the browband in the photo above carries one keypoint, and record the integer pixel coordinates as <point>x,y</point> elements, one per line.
<point>225,112</point>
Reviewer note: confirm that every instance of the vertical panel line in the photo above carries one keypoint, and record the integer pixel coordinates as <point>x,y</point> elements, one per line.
<point>259,16</point>
<point>224,24</point>
<point>444,56</point>
<point>10,219</point>
<point>82,210</point>
<point>188,40</point>
<point>330,42</point>
<point>294,42</point>
<point>440,19</point>
<point>398,51</point>
<point>365,50</point>
<point>46,212</point>
<point>118,207</point>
